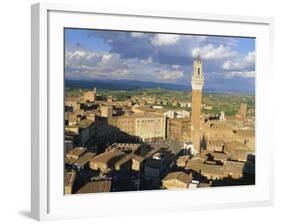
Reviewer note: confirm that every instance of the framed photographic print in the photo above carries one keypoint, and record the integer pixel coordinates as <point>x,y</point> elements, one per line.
<point>155,111</point>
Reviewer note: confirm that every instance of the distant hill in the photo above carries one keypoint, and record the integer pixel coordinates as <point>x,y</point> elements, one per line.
<point>123,84</point>
<point>135,84</point>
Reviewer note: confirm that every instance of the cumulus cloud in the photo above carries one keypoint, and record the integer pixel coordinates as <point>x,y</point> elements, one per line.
<point>243,74</point>
<point>146,61</point>
<point>84,64</point>
<point>246,62</point>
<point>137,34</point>
<point>166,48</point>
<point>90,64</point>
<point>171,75</point>
<point>165,39</point>
<point>240,66</point>
<point>231,65</point>
<point>250,57</point>
<point>176,66</point>
<point>159,58</point>
<point>212,52</point>
<point>106,58</point>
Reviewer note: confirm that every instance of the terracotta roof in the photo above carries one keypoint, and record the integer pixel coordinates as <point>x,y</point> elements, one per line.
<point>239,155</point>
<point>123,160</point>
<point>233,167</point>
<point>69,161</point>
<point>219,156</point>
<point>198,165</point>
<point>138,158</point>
<point>78,151</point>
<point>72,98</point>
<point>109,156</point>
<point>194,164</point>
<point>211,169</point>
<point>183,159</point>
<point>239,167</point>
<point>95,187</point>
<point>85,158</point>
<point>69,178</point>
<point>181,176</point>
<point>200,157</point>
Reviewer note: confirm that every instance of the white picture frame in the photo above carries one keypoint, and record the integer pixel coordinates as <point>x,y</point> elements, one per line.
<point>48,201</point>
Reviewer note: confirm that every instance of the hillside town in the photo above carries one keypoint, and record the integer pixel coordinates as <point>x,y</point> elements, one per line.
<point>139,144</point>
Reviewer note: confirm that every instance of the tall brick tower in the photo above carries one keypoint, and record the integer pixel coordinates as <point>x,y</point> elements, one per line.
<point>197,83</point>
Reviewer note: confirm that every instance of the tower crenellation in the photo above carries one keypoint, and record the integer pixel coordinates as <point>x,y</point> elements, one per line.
<point>197,81</point>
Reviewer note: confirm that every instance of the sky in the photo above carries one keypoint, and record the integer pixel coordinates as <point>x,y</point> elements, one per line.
<point>228,62</point>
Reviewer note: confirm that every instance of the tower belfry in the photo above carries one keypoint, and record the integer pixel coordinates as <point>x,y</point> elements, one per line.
<point>197,83</point>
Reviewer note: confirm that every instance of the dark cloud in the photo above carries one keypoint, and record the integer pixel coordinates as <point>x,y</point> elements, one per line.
<point>160,58</point>
<point>128,46</point>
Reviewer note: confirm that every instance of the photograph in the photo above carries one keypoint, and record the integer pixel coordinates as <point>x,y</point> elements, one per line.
<point>157,111</point>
